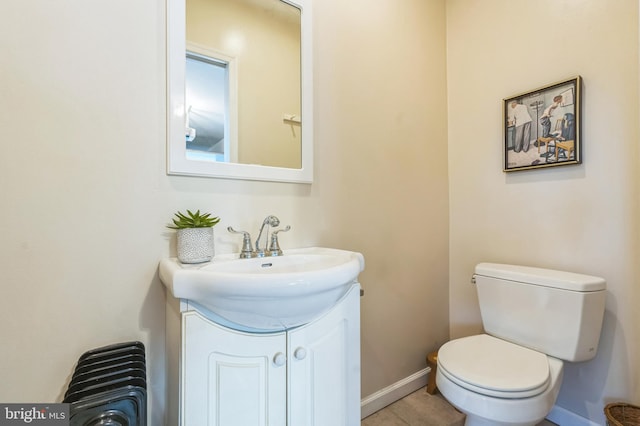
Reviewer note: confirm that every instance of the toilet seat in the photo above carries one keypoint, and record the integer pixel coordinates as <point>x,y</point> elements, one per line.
<point>494,367</point>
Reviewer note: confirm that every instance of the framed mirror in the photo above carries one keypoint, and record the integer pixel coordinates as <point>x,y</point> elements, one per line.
<point>239,75</point>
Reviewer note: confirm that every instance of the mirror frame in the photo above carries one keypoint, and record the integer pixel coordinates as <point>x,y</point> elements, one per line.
<point>177,162</point>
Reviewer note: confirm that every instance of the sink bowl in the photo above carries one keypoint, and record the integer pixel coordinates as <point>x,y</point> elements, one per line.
<point>268,293</point>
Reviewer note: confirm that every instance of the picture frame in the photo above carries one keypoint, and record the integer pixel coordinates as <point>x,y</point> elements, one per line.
<point>542,127</point>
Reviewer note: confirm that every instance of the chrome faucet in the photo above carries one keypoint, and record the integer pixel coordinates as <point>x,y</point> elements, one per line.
<point>272,249</point>
<point>268,221</point>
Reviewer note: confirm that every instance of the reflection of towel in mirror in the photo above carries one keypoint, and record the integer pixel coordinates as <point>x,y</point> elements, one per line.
<point>190,133</point>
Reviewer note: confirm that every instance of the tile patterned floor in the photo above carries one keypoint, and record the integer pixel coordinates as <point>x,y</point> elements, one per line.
<point>420,409</point>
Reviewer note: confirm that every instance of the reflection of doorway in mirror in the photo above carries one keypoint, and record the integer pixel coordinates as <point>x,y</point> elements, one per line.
<point>209,100</point>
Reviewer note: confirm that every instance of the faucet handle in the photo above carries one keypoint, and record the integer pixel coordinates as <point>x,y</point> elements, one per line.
<point>285,229</point>
<point>274,247</point>
<point>247,249</point>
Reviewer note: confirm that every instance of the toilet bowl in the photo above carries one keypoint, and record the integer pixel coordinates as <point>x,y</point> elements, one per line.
<point>534,319</point>
<point>495,382</point>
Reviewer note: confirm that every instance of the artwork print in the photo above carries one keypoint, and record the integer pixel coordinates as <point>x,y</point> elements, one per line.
<point>542,127</point>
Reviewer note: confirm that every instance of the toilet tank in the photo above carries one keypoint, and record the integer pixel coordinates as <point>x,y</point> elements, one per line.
<point>554,312</point>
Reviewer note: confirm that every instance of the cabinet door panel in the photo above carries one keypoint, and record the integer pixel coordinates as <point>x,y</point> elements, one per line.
<point>229,377</point>
<point>324,367</point>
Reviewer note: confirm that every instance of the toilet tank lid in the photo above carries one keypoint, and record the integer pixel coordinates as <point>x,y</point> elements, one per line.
<point>544,277</point>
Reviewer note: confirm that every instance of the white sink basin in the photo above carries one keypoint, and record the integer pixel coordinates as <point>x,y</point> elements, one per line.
<point>268,293</point>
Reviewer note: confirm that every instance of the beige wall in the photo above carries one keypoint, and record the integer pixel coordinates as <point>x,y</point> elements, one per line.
<point>381,186</point>
<point>83,192</point>
<point>578,218</point>
<point>85,196</point>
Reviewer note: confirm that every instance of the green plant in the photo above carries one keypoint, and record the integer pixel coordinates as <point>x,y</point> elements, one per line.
<point>193,220</point>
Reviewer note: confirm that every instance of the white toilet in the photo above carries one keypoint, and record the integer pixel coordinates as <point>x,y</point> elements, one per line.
<point>533,319</point>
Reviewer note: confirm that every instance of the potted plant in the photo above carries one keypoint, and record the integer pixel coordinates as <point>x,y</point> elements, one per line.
<point>195,236</point>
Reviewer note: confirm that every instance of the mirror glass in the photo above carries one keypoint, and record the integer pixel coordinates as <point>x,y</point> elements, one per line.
<point>239,74</point>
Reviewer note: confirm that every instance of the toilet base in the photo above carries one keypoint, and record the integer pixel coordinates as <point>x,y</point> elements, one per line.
<point>482,410</point>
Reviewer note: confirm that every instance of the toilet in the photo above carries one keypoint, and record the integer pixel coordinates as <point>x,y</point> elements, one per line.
<point>534,319</point>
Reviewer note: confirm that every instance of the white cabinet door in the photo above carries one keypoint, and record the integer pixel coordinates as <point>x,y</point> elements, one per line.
<point>231,378</point>
<point>324,367</point>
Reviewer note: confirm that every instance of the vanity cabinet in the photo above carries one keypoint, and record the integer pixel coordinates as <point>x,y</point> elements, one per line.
<point>305,376</point>
<point>230,377</point>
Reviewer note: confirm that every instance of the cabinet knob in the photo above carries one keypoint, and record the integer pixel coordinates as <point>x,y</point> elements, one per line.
<point>300,353</point>
<point>279,359</point>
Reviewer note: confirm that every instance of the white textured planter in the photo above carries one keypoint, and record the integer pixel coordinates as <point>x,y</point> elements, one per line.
<point>195,245</point>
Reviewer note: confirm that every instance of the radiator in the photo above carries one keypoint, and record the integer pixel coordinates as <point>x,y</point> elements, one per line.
<point>109,387</point>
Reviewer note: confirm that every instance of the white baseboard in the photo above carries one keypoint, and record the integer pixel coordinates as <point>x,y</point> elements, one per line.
<point>563,417</point>
<point>390,394</point>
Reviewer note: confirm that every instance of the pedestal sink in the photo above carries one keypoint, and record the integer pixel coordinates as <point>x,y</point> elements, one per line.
<point>268,293</point>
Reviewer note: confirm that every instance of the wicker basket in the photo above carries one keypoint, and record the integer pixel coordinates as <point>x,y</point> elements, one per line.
<point>620,414</point>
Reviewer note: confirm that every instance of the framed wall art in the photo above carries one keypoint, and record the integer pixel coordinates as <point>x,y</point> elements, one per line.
<point>542,127</point>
